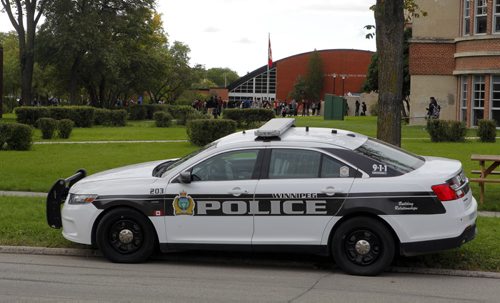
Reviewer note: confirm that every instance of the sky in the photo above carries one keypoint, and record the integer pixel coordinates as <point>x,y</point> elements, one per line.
<point>234,33</point>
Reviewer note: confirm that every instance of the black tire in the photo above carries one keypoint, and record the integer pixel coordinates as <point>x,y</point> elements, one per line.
<point>363,246</point>
<point>125,236</point>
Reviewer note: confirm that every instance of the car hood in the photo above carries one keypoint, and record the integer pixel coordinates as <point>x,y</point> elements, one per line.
<point>141,170</point>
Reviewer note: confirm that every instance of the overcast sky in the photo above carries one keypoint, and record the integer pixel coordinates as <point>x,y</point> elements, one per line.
<point>234,33</point>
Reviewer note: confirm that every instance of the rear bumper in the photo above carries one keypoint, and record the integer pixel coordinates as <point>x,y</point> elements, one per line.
<point>422,247</point>
<point>57,195</point>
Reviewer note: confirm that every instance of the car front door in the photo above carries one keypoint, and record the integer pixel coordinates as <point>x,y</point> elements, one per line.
<point>214,207</point>
<point>298,196</point>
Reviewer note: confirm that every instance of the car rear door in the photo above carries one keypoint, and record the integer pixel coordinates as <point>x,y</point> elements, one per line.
<point>299,193</point>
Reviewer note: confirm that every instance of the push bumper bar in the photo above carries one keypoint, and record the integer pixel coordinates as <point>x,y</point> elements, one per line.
<point>57,195</point>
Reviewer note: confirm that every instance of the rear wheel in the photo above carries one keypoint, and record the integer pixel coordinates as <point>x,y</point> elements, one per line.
<point>125,236</point>
<point>363,246</point>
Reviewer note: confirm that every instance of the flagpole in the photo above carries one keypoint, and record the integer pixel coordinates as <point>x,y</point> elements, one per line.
<point>268,50</point>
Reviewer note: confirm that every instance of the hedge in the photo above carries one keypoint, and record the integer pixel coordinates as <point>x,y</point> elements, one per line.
<point>16,136</point>
<point>248,116</point>
<point>181,113</point>
<point>486,130</point>
<point>83,116</point>
<point>145,111</point>
<point>446,131</point>
<point>204,131</point>
<point>162,119</point>
<point>110,117</point>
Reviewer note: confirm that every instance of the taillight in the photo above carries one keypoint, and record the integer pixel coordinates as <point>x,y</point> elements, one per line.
<point>444,192</point>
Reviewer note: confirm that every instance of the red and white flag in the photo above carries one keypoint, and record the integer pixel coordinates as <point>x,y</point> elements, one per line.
<point>269,55</point>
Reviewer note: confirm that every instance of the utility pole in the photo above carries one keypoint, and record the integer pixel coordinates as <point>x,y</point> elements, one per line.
<point>1,81</point>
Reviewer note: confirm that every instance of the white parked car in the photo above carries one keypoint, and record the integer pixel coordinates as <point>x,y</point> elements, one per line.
<point>277,188</point>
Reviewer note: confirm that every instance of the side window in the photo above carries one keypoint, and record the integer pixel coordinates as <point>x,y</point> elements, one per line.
<point>294,163</point>
<point>235,165</point>
<point>332,168</point>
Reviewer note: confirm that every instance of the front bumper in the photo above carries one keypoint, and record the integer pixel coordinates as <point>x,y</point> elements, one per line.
<point>422,247</point>
<point>57,195</point>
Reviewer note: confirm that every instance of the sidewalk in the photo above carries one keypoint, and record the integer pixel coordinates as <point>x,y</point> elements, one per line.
<point>491,214</point>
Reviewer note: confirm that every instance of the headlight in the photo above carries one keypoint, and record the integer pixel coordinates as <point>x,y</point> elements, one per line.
<point>81,199</point>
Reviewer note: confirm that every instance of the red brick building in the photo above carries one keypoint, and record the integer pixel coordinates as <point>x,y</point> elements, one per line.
<point>455,57</point>
<point>344,72</point>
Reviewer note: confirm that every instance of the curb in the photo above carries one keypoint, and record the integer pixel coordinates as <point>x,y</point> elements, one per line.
<point>82,252</point>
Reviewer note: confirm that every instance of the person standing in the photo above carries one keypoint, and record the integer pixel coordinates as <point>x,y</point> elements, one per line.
<point>356,111</point>
<point>433,110</point>
<point>363,109</point>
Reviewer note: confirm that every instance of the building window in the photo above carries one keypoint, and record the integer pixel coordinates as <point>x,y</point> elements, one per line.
<point>481,16</point>
<point>496,17</point>
<point>467,17</point>
<point>478,100</point>
<point>495,99</point>
<point>463,99</point>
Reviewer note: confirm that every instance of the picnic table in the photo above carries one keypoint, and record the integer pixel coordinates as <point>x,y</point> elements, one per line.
<point>485,171</point>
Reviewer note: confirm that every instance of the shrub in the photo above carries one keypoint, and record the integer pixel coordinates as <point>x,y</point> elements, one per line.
<point>137,112</point>
<point>181,113</point>
<point>64,128</point>
<point>162,119</point>
<point>456,131</point>
<point>110,117</point>
<point>486,130</point>
<point>441,130</point>
<point>153,108</point>
<point>83,116</point>
<point>29,114</point>
<point>248,116</point>
<point>48,126</point>
<point>5,133</point>
<point>21,137</point>
<point>202,132</point>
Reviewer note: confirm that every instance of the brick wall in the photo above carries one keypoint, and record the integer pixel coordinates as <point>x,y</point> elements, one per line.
<point>432,58</point>
<point>478,63</point>
<point>478,45</point>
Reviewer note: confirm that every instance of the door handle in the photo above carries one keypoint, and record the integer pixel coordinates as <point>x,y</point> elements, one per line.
<point>237,191</point>
<point>329,191</point>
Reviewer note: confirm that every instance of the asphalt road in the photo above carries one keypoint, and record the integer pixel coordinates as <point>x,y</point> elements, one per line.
<point>38,278</point>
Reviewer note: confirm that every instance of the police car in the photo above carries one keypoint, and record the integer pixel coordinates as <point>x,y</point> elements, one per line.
<point>278,188</point>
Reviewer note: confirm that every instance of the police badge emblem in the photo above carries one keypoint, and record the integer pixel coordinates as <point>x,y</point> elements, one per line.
<point>183,204</point>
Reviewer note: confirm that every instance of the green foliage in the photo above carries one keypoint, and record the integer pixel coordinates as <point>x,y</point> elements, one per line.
<point>137,112</point>
<point>299,89</point>
<point>314,77</point>
<point>221,76</point>
<point>162,119</point>
<point>5,133</point>
<point>446,131</point>
<point>11,67</point>
<point>64,128</point>
<point>249,116</point>
<point>202,132</point>
<point>83,116</point>
<point>117,117</point>
<point>20,136</point>
<point>486,130</point>
<point>29,115</point>
<point>181,113</point>
<point>48,126</point>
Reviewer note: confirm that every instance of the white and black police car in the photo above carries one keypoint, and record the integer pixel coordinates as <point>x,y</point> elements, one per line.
<point>277,188</point>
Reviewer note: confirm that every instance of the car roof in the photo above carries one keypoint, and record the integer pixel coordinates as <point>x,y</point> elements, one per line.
<point>299,136</point>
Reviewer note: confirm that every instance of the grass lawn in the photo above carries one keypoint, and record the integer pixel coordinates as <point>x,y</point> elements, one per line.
<point>23,223</point>
<point>38,169</point>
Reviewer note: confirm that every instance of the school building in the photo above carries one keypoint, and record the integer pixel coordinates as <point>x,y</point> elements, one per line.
<point>455,57</point>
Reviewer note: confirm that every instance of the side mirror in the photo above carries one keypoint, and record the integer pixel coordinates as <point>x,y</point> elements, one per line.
<point>185,177</point>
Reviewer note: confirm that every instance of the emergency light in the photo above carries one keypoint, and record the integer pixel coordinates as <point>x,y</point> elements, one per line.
<point>275,127</point>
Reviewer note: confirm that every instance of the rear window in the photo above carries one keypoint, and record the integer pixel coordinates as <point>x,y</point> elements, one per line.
<point>389,156</point>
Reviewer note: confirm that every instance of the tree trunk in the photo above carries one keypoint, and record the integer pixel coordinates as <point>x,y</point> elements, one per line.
<point>389,19</point>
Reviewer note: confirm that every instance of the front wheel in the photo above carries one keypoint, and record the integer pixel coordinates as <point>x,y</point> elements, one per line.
<point>363,246</point>
<point>125,236</point>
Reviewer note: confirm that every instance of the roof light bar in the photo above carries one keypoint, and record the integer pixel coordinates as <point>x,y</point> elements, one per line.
<point>275,127</point>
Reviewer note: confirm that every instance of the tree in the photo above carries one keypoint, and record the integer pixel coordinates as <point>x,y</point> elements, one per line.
<point>19,12</point>
<point>221,76</point>
<point>299,89</point>
<point>389,21</point>
<point>314,77</point>
<point>371,82</point>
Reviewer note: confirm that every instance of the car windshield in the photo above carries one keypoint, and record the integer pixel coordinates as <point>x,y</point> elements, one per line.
<point>161,169</point>
<point>392,156</point>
